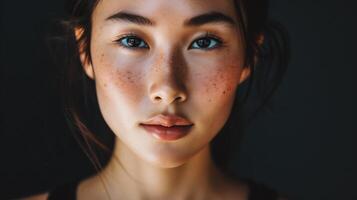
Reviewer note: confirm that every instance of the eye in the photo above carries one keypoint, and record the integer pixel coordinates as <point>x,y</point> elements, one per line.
<point>206,43</point>
<point>132,41</point>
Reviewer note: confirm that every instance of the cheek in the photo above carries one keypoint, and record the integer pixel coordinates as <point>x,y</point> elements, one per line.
<point>117,80</point>
<point>215,92</point>
<point>218,84</point>
<point>119,87</point>
<point>217,77</point>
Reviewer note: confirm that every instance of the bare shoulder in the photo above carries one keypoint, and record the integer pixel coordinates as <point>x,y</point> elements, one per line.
<point>42,196</point>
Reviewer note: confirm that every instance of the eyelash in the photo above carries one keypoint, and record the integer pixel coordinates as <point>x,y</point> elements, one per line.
<point>219,42</point>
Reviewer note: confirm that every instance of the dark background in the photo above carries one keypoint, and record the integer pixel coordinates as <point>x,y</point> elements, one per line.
<point>305,146</point>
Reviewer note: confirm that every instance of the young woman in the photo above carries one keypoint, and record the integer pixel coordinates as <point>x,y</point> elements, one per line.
<point>164,76</point>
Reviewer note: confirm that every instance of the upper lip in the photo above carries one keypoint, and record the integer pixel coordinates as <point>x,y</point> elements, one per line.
<point>168,121</point>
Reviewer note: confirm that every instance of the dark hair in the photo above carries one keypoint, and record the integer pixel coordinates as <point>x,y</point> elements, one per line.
<point>268,63</point>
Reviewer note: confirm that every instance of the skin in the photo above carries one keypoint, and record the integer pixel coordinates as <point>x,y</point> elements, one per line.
<point>168,77</point>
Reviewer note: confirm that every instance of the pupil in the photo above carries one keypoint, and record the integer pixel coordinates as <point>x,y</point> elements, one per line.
<point>203,42</point>
<point>133,42</point>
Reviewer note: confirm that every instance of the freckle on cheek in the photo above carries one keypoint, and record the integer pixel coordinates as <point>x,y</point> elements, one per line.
<point>128,75</point>
<point>126,80</point>
<point>221,84</point>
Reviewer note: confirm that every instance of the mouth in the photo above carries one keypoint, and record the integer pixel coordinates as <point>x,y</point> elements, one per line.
<point>167,127</point>
<point>167,133</point>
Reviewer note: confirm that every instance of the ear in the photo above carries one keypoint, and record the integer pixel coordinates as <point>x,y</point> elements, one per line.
<point>260,39</point>
<point>244,74</point>
<point>86,63</point>
<point>246,70</point>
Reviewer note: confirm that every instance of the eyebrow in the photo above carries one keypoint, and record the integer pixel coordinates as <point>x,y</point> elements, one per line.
<point>199,20</point>
<point>129,17</point>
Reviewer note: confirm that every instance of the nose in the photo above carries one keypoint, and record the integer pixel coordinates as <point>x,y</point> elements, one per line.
<point>167,80</point>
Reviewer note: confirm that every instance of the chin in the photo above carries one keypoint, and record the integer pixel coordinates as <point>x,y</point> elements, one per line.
<point>167,159</point>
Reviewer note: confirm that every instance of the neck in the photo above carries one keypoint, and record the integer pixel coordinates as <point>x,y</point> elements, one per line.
<point>127,175</point>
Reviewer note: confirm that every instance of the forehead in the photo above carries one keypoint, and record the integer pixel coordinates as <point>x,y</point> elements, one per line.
<point>164,10</point>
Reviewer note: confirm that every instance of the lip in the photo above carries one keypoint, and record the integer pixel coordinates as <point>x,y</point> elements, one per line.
<point>167,127</point>
<point>167,133</point>
<point>168,121</point>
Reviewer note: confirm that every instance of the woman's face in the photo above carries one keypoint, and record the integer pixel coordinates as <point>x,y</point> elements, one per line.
<point>182,58</point>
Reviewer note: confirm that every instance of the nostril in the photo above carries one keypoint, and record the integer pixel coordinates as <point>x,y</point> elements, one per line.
<point>167,95</point>
<point>179,99</point>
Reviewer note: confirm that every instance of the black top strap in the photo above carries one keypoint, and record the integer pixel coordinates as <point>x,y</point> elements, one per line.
<point>258,191</point>
<point>64,192</point>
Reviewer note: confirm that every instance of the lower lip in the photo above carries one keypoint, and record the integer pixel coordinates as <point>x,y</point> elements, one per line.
<point>167,133</point>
